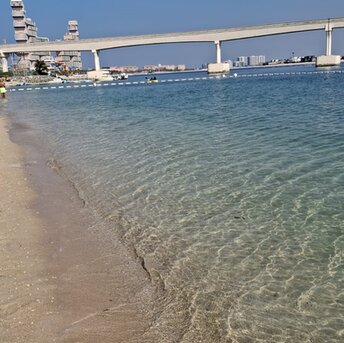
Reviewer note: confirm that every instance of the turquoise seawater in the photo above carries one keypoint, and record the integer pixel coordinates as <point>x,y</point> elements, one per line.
<point>231,190</point>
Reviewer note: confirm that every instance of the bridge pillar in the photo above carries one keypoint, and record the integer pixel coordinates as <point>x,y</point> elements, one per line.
<point>328,60</point>
<point>96,60</point>
<point>328,30</point>
<point>218,51</point>
<point>4,62</point>
<point>218,67</point>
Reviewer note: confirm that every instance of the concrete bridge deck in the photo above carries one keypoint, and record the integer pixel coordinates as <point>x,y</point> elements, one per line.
<point>217,35</point>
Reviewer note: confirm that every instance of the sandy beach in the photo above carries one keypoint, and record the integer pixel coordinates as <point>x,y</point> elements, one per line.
<point>60,282</point>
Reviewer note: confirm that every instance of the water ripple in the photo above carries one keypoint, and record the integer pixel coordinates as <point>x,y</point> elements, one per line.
<point>231,191</point>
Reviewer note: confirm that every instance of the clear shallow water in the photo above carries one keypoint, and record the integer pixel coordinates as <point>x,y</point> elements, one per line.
<point>231,190</point>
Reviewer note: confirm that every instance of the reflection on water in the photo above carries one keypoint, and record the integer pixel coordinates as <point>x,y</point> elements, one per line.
<point>231,191</point>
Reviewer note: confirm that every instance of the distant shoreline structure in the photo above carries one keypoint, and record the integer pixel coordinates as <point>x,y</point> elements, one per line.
<point>233,68</point>
<point>35,80</point>
<point>275,65</point>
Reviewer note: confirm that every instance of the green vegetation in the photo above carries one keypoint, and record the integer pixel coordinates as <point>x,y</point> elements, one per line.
<point>41,67</point>
<point>6,75</point>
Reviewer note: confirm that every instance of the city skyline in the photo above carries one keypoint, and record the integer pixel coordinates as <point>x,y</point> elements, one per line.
<point>134,17</point>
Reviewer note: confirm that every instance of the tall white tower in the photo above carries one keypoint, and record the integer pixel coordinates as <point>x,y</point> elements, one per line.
<point>25,31</point>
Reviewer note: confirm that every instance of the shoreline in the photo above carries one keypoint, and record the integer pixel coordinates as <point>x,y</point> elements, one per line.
<point>62,281</point>
<point>187,71</point>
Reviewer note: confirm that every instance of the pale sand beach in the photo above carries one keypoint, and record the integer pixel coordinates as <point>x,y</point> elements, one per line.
<point>60,282</point>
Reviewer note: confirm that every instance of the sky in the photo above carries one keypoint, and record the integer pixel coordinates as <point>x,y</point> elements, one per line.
<point>109,18</point>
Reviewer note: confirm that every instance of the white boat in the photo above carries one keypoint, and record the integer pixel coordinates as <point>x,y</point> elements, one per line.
<point>57,80</point>
<point>121,76</point>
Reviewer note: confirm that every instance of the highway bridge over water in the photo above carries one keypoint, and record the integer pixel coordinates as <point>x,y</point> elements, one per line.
<point>216,36</point>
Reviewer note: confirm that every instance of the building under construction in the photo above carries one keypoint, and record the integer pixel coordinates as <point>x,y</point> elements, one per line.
<point>70,60</point>
<point>26,32</point>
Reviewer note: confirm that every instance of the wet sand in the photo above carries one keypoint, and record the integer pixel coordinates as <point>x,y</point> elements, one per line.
<point>61,280</point>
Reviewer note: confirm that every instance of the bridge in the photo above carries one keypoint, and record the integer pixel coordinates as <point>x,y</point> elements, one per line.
<point>216,36</point>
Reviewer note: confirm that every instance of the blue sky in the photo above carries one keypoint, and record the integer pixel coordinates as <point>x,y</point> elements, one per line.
<point>105,18</point>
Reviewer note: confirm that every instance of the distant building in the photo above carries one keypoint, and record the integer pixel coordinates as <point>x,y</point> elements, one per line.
<point>70,60</point>
<point>26,32</point>
<point>237,64</point>
<point>261,59</point>
<point>256,60</point>
<point>147,68</point>
<point>159,67</point>
<point>242,61</point>
<point>230,63</point>
<point>125,69</point>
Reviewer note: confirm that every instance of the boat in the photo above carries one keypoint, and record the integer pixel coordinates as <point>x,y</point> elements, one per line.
<point>121,76</point>
<point>152,80</point>
<point>57,80</point>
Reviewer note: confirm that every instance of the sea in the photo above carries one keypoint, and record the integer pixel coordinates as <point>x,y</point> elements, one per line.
<point>229,189</point>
